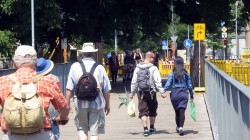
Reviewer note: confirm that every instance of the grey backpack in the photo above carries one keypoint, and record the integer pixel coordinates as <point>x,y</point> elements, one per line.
<point>143,79</point>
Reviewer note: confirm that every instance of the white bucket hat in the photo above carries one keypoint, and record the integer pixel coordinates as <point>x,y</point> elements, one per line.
<point>88,47</point>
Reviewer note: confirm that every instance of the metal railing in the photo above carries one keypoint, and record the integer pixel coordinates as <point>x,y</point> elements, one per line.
<point>60,69</point>
<point>228,103</point>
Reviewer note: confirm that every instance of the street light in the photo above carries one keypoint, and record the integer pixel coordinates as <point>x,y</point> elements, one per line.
<point>236,33</point>
<point>32,23</point>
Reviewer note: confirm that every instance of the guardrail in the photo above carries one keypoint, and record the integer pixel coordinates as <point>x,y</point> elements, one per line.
<point>60,69</point>
<point>228,103</point>
<point>238,71</point>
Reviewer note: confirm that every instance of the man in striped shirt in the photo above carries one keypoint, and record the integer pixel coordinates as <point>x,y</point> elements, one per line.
<point>90,115</point>
<point>25,60</point>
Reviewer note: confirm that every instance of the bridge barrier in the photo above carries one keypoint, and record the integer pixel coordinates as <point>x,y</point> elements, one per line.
<point>238,71</point>
<point>228,101</point>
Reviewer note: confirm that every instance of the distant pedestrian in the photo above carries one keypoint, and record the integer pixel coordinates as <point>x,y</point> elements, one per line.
<point>26,96</point>
<point>44,67</point>
<point>180,82</point>
<point>129,58</point>
<point>147,81</point>
<point>113,66</point>
<point>90,114</point>
<point>137,56</point>
<point>156,59</point>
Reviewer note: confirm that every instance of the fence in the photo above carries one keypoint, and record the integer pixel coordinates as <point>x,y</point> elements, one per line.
<point>60,69</point>
<point>228,103</point>
<point>238,71</point>
<point>166,67</point>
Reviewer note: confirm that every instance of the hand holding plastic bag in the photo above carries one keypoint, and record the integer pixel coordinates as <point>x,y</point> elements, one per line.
<point>131,108</point>
<point>192,110</point>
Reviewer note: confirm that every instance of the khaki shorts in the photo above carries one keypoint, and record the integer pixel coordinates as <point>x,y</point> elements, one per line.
<point>88,119</point>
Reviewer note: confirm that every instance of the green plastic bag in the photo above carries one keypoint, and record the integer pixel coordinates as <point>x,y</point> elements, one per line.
<point>131,109</point>
<point>192,110</point>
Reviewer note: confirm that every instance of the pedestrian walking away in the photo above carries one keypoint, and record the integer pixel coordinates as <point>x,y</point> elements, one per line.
<point>147,81</point>
<point>113,66</point>
<point>180,82</point>
<point>44,67</point>
<point>25,90</point>
<point>91,105</point>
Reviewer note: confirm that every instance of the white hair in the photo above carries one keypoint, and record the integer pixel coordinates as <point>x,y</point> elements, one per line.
<point>27,60</point>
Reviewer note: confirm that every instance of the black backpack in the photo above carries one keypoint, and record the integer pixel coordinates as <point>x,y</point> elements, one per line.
<point>86,88</point>
<point>143,79</point>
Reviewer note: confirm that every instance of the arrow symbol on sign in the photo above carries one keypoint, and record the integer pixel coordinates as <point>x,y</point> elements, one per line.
<point>199,33</point>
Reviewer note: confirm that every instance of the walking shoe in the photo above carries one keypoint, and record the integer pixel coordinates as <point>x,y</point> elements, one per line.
<point>177,129</point>
<point>181,133</point>
<point>146,133</point>
<point>152,130</point>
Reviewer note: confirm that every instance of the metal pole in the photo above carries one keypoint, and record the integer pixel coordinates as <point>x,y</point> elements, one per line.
<point>236,34</point>
<point>32,23</point>
<point>188,53</point>
<point>115,42</point>
<point>199,63</point>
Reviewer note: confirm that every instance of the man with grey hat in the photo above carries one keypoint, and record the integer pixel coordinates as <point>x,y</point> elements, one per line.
<point>46,89</point>
<point>90,114</point>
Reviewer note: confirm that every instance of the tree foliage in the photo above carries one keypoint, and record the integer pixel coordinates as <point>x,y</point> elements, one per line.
<point>144,23</point>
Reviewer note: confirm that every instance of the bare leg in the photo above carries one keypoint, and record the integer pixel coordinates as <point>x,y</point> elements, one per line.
<point>82,135</point>
<point>95,137</point>
<point>144,121</point>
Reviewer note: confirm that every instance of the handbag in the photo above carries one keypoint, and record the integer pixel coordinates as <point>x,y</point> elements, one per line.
<point>192,110</point>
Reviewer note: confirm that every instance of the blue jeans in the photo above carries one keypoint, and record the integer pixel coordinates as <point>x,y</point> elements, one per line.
<point>55,131</point>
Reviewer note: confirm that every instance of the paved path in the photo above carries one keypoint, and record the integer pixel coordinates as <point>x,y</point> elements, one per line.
<point>119,126</point>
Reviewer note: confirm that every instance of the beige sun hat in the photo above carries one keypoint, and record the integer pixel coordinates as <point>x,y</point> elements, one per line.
<point>25,50</point>
<point>88,47</point>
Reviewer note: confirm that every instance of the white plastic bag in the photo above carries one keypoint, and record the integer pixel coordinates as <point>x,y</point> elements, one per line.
<point>131,109</point>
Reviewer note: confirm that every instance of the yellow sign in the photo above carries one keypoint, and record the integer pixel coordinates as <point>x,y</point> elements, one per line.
<point>199,31</point>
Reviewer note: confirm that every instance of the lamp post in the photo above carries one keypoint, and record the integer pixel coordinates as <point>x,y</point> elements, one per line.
<point>115,39</point>
<point>236,33</point>
<point>32,23</point>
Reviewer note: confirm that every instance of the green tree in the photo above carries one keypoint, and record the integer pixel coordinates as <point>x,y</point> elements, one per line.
<point>7,43</point>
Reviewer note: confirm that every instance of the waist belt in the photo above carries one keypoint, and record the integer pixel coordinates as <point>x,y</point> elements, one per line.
<point>26,134</point>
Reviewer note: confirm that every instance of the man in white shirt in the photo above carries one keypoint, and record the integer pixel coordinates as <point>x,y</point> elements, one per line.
<point>90,115</point>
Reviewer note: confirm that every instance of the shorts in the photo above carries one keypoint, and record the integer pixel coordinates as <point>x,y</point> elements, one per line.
<point>148,104</point>
<point>89,119</point>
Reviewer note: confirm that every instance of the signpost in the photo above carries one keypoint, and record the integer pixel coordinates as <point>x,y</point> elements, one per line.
<point>224,37</point>
<point>188,43</point>
<point>199,34</point>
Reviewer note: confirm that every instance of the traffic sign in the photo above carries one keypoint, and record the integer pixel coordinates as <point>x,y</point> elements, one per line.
<point>223,29</point>
<point>224,35</point>
<point>199,31</point>
<point>164,45</point>
<point>187,43</point>
<point>174,38</point>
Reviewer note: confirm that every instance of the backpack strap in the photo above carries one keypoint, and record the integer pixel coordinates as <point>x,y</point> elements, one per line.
<point>37,78</point>
<point>13,78</point>
<point>83,67</point>
<point>93,68</point>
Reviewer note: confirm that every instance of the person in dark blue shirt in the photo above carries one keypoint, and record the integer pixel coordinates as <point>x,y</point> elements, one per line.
<point>180,82</point>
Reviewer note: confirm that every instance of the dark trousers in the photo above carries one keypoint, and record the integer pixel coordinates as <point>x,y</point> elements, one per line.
<point>114,75</point>
<point>180,117</point>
